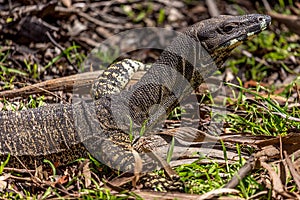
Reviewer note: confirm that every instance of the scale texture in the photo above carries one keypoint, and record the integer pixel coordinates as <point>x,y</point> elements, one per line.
<point>109,127</point>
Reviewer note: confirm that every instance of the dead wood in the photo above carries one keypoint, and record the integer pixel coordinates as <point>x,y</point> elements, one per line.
<point>66,84</point>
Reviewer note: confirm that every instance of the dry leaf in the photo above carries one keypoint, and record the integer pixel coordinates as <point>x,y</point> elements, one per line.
<point>87,174</point>
<point>62,180</point>
<point>3,182</point>
<point>67,3</point>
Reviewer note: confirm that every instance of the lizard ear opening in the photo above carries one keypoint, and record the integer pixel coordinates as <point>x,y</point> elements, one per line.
<point>202,36</point>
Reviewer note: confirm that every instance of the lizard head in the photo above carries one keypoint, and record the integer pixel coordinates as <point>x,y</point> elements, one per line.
<point>220,35</point>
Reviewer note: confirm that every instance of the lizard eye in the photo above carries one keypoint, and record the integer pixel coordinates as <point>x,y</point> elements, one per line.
<point>229,27</point>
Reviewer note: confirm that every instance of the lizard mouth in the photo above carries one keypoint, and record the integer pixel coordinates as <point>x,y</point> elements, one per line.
<point>264,23</point>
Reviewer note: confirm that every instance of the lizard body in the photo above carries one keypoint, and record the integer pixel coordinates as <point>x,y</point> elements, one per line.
<point>65,132</point>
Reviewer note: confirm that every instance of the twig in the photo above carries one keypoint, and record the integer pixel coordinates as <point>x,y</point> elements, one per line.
<point>69,83</point>
<point>169,195</point>
<point>267,5</point>
<point>18,170</point>
<point>255,196</point>
<point>212,8</point>
<point>286,117</point>
<point>249,166</point>
<point>88,17</point>
<point>292,169</point>
<point>20,178</point>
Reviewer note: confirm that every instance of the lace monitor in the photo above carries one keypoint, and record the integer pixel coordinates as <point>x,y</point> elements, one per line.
<point>62,133</point>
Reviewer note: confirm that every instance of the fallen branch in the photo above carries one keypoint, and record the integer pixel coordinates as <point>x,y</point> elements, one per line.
<point>66,84</point>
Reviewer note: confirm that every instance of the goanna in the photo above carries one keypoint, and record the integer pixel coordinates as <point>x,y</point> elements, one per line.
<point>62,133</point>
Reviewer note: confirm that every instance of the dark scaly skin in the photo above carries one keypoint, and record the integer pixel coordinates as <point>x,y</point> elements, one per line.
<point>36,134</point>
<point>60,132</point>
